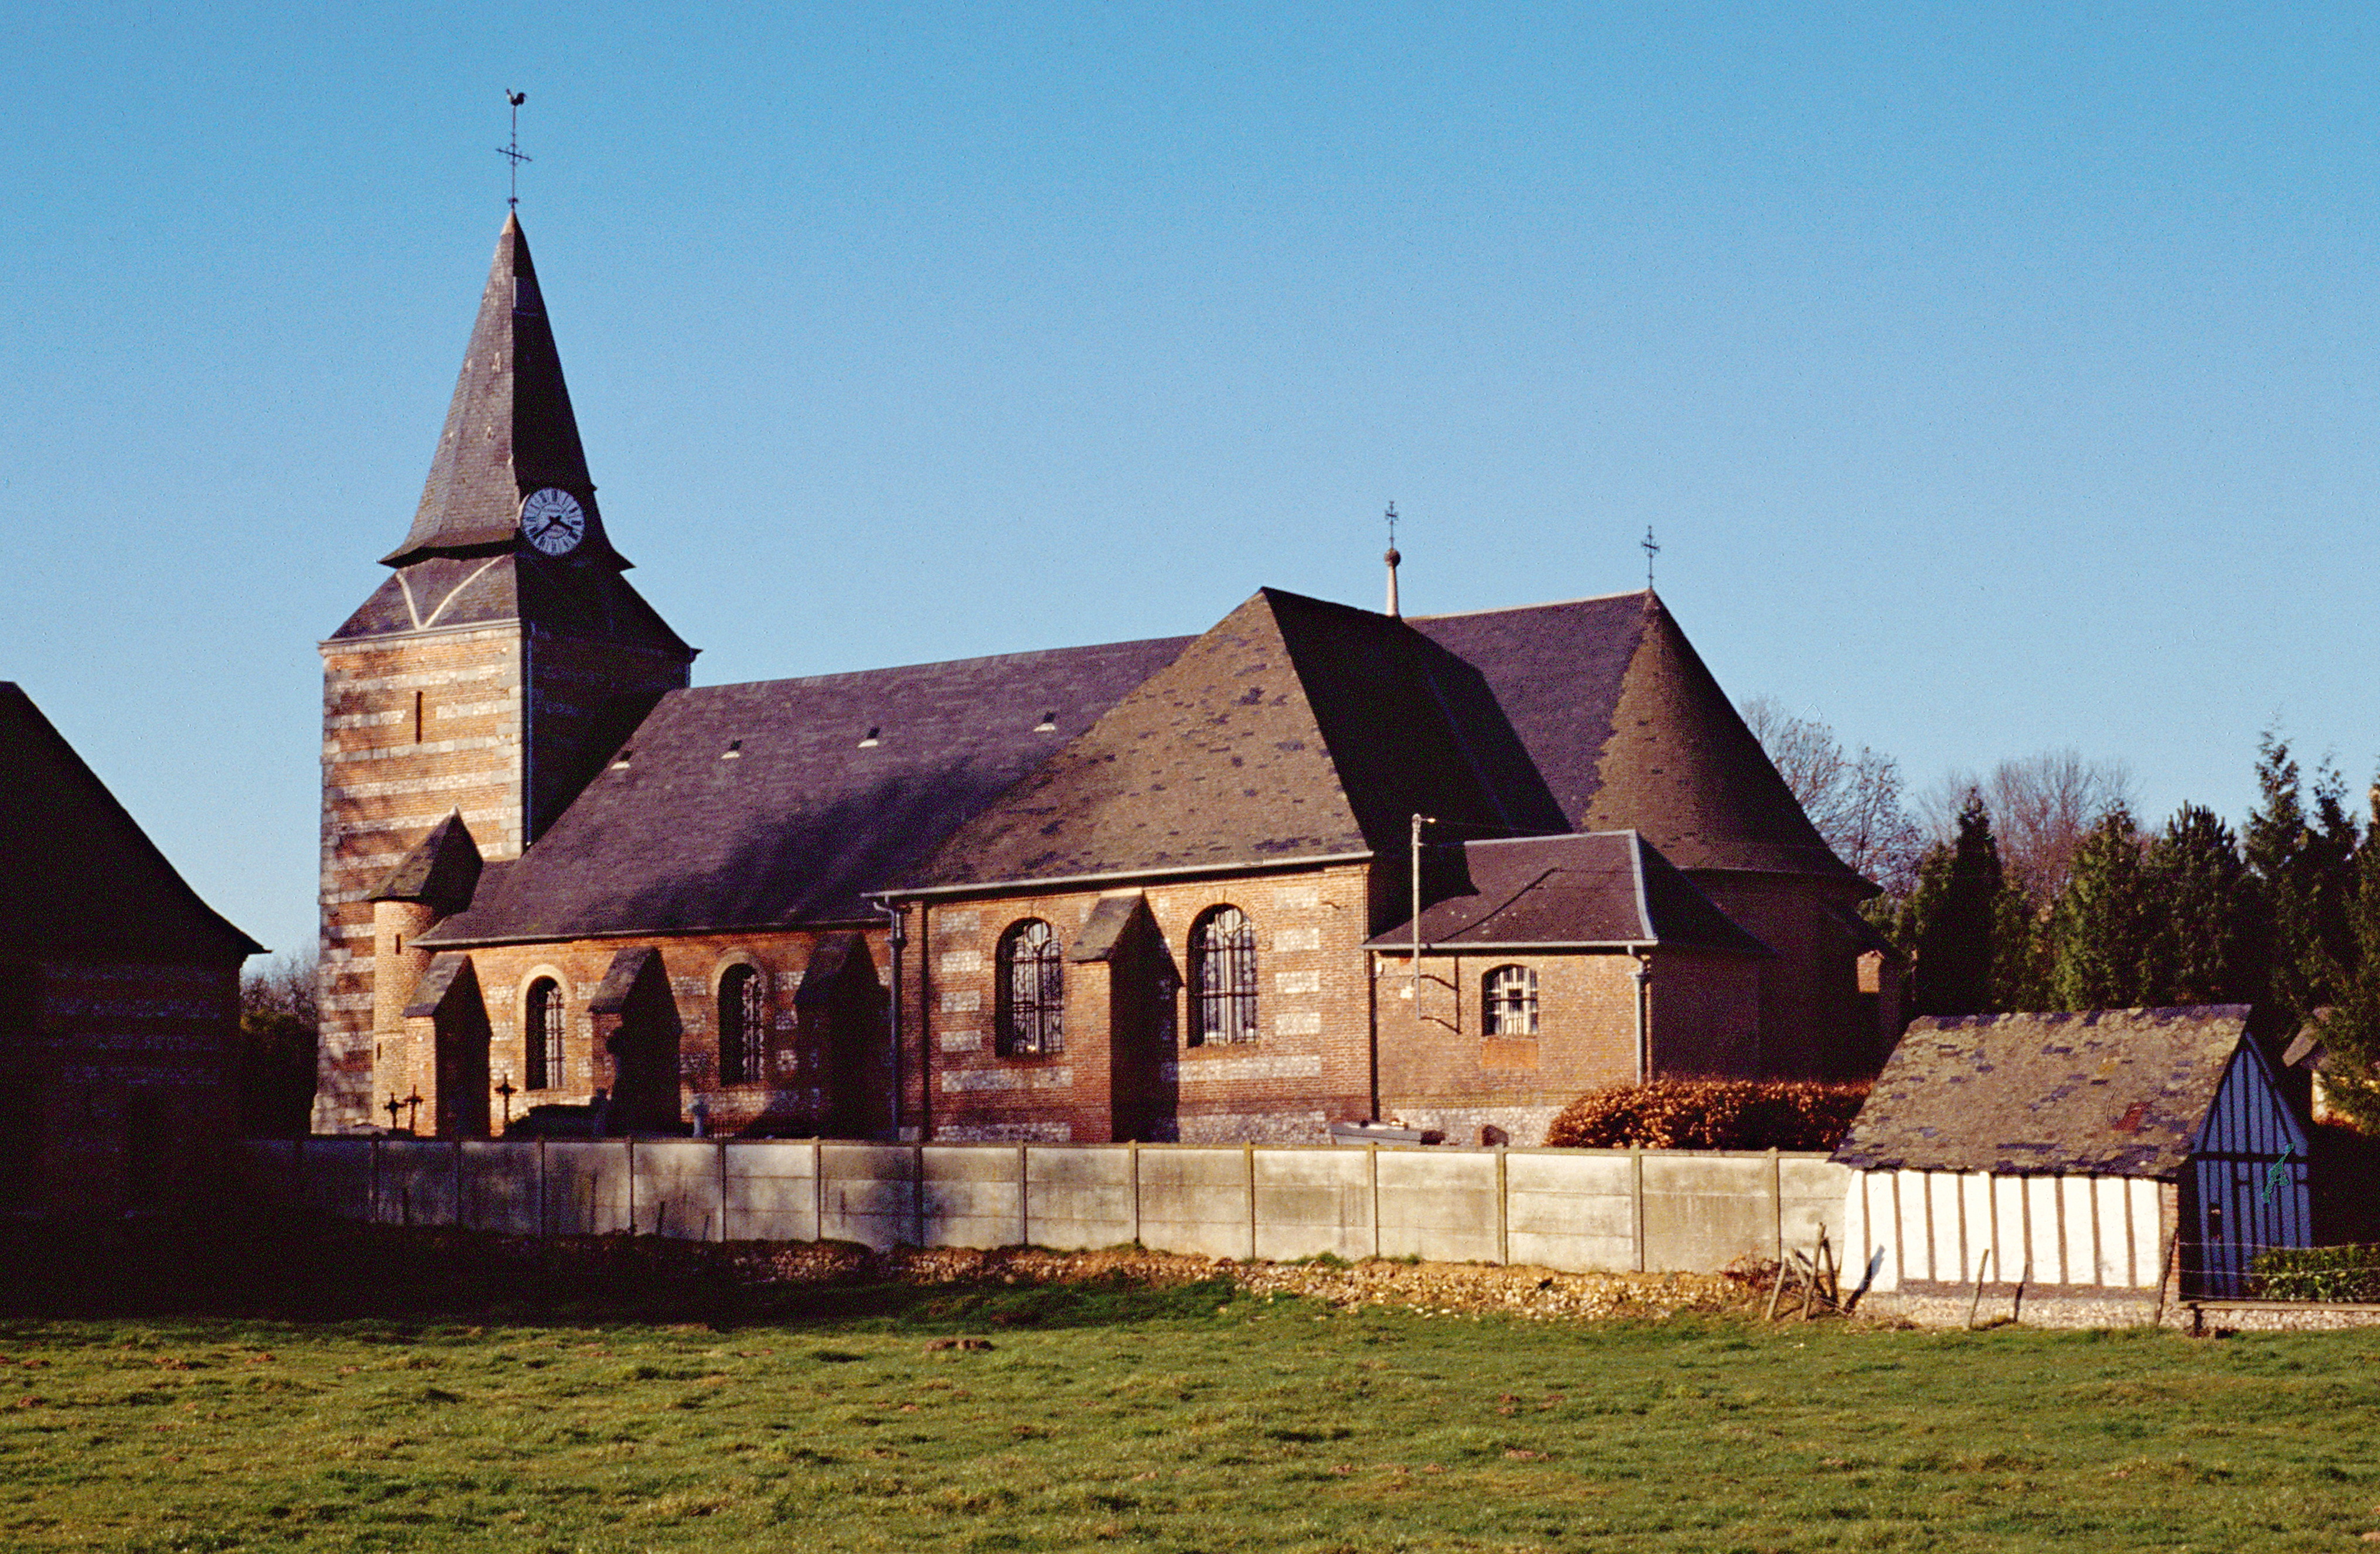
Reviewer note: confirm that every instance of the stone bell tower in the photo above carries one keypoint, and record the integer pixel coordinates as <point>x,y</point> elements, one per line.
<point>491,673</point>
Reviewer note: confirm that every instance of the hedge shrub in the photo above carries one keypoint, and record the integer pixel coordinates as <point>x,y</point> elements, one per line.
<point>2316,1273</point>
<point>1710,1115</point>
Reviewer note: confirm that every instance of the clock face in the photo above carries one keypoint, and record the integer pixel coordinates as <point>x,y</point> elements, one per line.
<point>551,519</point>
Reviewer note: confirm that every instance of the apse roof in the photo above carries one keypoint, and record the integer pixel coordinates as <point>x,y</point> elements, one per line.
<point>79,878</point>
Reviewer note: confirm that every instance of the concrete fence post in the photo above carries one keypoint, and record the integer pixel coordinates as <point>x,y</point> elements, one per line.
<point>1636,1192</point>
<point>722,1189</point>
<point>918,1190</point>
<point>544,1216</point>
<point>371,1184</point>
<point>1504,1211</point>
<point>1372,1161</point>
<point>462,1221</point>
<point>818,1189</point>
<point>1024,1205</point>
<point>1248,1155</point>
<point>631,1143</point>
<point>1777,1199</point>
<point>1132,1164</point>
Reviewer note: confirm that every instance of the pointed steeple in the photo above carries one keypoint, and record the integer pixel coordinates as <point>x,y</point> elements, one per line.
<point>509,429</point>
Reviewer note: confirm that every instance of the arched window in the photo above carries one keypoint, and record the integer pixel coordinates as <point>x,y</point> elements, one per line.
<point>1032,991</point>
<point>742,1025</point>
<point>545,1068</point>
<point>1223,978</point>
<point>1509,996</point>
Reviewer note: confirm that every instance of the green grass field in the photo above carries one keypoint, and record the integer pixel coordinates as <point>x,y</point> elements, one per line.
<point>1176,1420</point>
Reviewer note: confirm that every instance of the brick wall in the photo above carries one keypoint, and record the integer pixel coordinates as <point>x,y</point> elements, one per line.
<point>125,1083</point>
<point>1813,1022</point>
<point>1308,1066</point>
<point>420,723</point>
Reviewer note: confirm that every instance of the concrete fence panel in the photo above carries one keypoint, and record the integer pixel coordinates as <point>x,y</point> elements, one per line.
<point>1439,1205</point>
<point>975,1196</point>
<point>501,1188</point>
<point>1312,1201</point>
<point>870,1194</point>
<point>339,1176</point>
<point>1082,1196</point>
<point>417,1180</point>
<point>772,1191</point>
<point>587,1189</point>
<point>1193,1200</point>
<point>1572,1210</point>
<point>267,1169</point>
<point>1811,1190</point>
<point>1704,1211</point>
<point>678,1192</point>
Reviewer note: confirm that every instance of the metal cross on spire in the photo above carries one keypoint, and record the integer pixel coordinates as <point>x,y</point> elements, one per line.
<point>1651,549</point>
<point>513,153</point>
<point>1392,526</point>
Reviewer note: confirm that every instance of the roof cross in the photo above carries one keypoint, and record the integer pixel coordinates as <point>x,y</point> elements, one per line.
<point>1651,549</point>
<point>513,153</point>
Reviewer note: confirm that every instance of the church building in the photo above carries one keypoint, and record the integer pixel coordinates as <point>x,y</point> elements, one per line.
<point>1154,890</point>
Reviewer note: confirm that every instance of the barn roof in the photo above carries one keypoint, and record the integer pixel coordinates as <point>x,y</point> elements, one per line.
<point>1603,888</point>
<point>2117,1092</point>
<point>79,878</point>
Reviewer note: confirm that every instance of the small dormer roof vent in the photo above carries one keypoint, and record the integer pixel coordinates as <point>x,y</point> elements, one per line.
<point>620,761</point>
<point>1049,723</point>
<point>870,740</point>
<point>734,750</point>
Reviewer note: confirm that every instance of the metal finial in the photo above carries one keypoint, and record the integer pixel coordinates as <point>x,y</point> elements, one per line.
<point>513,153</point>
<point>1651,549</point>
<point>1392,558</point>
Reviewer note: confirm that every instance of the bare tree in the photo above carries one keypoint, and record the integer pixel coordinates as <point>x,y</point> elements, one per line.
<point>284,985</point>
<point>1854,800</point>
<point>2042,807</point>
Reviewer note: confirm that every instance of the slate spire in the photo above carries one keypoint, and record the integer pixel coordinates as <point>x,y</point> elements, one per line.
<point>509,429</point>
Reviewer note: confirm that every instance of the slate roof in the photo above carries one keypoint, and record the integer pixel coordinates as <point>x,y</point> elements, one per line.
<point>2111,1092</point>
<point>1295,729</point>
<point>1600,890</point>
<point>803,820</point>
<point>1629,729</point>
<point>557,596</point>
<point>509,427</point>
<point>442,870</point>
<point>79,878</point>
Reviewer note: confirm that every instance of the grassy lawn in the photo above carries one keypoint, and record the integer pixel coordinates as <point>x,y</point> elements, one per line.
<point>1183,1419</point>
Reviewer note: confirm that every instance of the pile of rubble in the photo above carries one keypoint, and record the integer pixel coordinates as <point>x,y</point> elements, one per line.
<point>1437,1288</point>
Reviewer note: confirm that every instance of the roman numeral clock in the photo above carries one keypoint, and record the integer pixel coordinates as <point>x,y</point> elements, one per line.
<point>552,521</point>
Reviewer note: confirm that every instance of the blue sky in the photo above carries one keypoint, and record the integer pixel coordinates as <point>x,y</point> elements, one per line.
<point>1995,378</point>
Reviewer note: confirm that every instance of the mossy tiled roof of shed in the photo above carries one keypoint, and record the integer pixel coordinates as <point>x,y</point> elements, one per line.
<point>79,878</point>
<point>2112,1092</point>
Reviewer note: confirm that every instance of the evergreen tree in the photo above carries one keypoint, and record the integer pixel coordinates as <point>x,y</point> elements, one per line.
<point>1947,923</point>
<point>2302,864</point>
<point>2350,1027</point>
<point>2198,951</point>
<point>2022,961</point>
<point>2101,927</point>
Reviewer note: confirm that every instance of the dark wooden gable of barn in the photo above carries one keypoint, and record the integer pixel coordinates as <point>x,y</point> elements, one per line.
<point>2247,1189</point>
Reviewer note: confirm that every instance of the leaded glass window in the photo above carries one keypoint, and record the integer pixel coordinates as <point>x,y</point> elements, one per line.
<point>742,1025</point>
<point>545,1018</point>
<point>1223,978</point>
<point>1032,991</point>
<point>1510,995</point>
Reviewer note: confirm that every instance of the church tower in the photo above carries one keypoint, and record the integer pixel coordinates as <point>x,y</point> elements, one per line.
<point>491,673</point>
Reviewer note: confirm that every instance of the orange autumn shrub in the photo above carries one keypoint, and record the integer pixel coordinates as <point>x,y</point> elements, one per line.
<point>1711,1114</point>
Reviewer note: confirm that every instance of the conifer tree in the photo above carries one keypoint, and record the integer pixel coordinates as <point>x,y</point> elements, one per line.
<point>2101,927</point>
<point>1947,925</point>
<point>2302,861</point>
<point>2197,950</point>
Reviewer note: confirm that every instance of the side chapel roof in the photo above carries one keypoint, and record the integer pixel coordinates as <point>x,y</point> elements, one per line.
<point>79,878</point>
<point>1602,888</point>
<point>2110,1091</point>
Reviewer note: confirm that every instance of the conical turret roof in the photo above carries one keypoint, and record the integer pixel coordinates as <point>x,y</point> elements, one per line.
<point>509,429</point>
